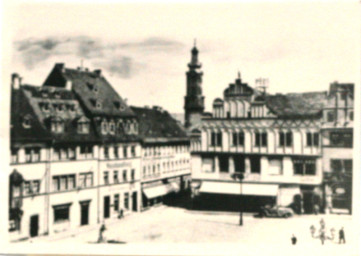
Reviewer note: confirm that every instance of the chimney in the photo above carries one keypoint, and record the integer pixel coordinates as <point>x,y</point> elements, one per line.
<point>15,81</point>
<point>98,72</point>
<point>68,85</point>
<point>60,66</point>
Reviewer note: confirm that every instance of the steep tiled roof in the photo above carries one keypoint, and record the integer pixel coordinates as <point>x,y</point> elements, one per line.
<point>158,125</point>
<point>21,109</point>
<point>70,113</point>
<point>91,88</point>
<point>296,104</point>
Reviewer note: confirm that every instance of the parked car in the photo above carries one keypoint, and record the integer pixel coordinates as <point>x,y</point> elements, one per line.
<point>276,211</point>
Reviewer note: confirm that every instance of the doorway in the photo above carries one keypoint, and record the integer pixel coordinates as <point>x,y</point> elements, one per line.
<point>106,207</point>
<point>134,203</point>
<point>84,213</point>
<point>34,225</point>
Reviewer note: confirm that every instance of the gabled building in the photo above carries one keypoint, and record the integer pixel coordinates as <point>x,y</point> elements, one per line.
<point>75,154</point>
<point>165,160</point>
<point>274,140</point>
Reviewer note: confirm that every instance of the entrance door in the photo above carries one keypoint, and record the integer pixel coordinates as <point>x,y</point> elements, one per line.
<point>307,202</point>
<point>134,203</point>
<point>34,225</point>
<point>106,207</point>
<point>84,213</point>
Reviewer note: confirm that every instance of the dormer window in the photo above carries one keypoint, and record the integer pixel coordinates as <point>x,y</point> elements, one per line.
<point>90,86</point>
<point>44,94</point>
<point>27,122</point>
<point>98,104</point>
<point>112,127</point>
<point>57,125</point>
<point>57,95</point>
<point>71,107</point>
<point>104,127</point>
<point>45,107</point>
<point>95,89</point>
<point>60,107</point>
<point>83,125</point>
<point>117,104</point>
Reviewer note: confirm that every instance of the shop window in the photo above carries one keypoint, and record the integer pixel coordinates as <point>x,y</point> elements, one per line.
<point>61,213</point>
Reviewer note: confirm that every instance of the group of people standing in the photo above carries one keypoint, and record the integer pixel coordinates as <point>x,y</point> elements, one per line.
<point>322,234</point>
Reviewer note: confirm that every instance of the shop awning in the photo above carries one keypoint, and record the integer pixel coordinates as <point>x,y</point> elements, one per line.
<point>160,190</point>
<point>235,188</point>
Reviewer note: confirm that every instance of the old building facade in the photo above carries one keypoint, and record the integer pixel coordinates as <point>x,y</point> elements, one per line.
<point>165,160</point>
<point>75,154</point>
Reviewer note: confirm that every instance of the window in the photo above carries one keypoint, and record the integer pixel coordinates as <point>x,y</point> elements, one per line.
<point>116,202</point>
<point>125,149</point>
<point>255,164</point>
<point>86,151</point>
<point>313,139</point>
<point>341,166</point>
<point>126,201</point>
<point>83,127</point>
<point>71,153</point>
<point>63,153</point>
<point>116,154</point>
<point>57,125</point>
<point>115,177</point>
<point>27,122</point>
<point>112,127</point>
<point>28,155</point>
<point>124,175</point>
<point>351,115</point>
<point>31,187</point>
<point>304,166</point>
<point>285,139</point>
<point>216,139</point>
<point>133,174</point>
<point>275,165</point>
<point>86,179</point>
<point>261,139</point>
<point>104,127</point>
<point>144,171</point>
<point>14,155</point>
<point>133,151</point>
<point>330,116</point>
<point>106,152</point>
<point>106,177</point>
<point>341,139</point>
<point>238,138</point>
<point>64,182</point>
<point>61,213</point>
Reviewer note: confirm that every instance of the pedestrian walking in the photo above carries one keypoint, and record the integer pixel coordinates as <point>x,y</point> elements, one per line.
<point>322,224</point>
<point>341,236</point>
<point>313,230</point>
<point>293,239</point>
<point>316,209</point>
<point>101,231</point>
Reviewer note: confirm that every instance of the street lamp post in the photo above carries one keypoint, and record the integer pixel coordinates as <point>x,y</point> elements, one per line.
<point>240,177</point>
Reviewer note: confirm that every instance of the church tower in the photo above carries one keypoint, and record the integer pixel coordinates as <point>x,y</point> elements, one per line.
<point>194,100</point>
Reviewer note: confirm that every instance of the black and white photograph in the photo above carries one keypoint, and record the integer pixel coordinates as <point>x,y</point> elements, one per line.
<point>183,128</point>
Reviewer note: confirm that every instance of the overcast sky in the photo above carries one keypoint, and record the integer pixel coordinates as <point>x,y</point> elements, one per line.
<point>144,49</point>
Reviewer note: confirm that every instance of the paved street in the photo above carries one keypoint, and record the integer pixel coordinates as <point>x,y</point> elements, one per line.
<point>165,224</point>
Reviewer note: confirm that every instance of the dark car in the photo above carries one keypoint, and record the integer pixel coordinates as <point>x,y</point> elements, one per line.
<point>276,211</point>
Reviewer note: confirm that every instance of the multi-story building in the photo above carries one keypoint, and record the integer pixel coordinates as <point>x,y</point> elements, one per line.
<point>75,153</point>
<point>337,137</point>
<point>273,140</point>
<point>117,128</point>
<point>165,160</point>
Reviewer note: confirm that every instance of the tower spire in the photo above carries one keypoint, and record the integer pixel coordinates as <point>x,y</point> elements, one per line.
<point>239,74</point>
<point>195,42</point>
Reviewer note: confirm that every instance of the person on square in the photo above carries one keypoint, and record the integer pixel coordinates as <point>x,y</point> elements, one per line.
<point>341,236</point>
<point>293,239</point>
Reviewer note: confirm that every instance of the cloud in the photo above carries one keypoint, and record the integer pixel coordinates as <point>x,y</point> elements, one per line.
<point>123,59</point>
